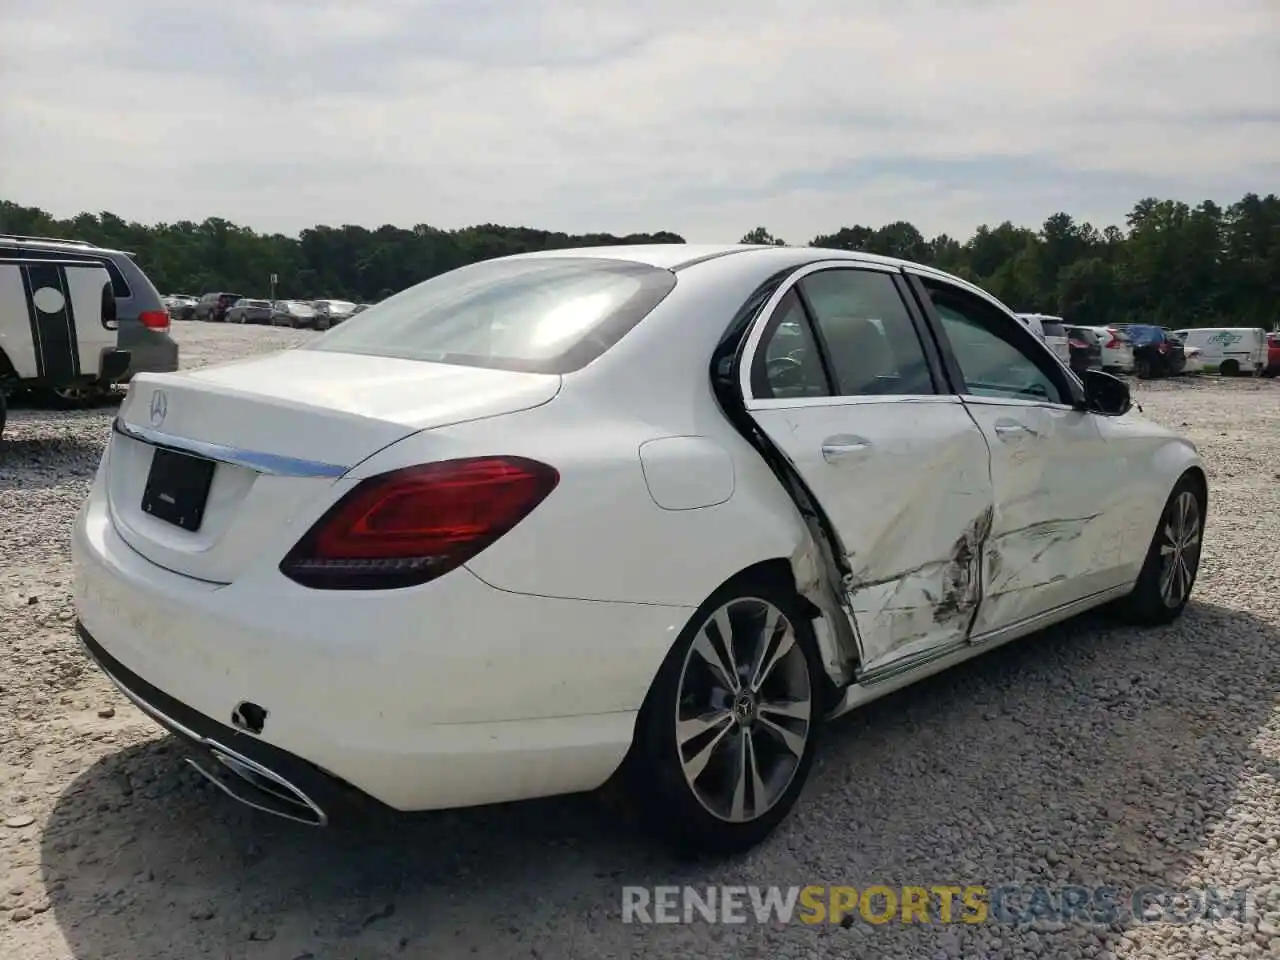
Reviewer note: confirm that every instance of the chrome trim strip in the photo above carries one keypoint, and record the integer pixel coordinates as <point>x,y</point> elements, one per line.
<point>895,668</point>
<point>798,403</point>
<point>1047,618</point>
<point>271,464</point>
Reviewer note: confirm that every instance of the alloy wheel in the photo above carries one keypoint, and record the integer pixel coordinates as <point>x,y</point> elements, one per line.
<point>1180,538</point>
<point>744,710</point>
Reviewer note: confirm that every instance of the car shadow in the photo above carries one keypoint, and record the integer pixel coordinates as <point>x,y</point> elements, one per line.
<point>970,777</point>
<point>39,450</point>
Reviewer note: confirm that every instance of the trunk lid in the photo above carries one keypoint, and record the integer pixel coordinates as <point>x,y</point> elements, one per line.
<point>281,429</point>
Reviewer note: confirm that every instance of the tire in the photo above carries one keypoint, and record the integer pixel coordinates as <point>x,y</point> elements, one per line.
<point>4,410</point>
<point>1230,368</point>
<point>1149,604</point>
<point>1142,369</point>
<point>699,811</point>
<point>76,397</point>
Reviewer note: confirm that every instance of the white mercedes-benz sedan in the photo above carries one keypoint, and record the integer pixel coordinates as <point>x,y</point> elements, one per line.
<point>653,511</point>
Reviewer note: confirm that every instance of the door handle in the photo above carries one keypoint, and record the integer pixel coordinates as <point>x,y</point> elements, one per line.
<point>835,449</point>
<point>1011,429</point>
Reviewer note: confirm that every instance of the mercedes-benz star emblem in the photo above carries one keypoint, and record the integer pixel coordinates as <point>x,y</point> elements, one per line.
<point>159,407</point>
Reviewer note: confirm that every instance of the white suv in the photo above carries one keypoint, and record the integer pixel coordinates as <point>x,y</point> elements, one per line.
<point>1052,331</point>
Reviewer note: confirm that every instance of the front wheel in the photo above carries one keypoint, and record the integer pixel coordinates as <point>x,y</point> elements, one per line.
<point>1173,559</point>
<point>726,736</point>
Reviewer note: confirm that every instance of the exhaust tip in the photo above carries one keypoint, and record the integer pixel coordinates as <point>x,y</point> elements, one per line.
<point>249,716</point>
<point>255,786</point>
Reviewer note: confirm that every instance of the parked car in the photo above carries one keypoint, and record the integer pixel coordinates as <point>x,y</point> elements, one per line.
<point>1156,352</point>
<point>141,318</point>
<point>58,327</point>
<point>214,306</point>
<point>1117,352</point>
<point>335,311</point>
<point>675,535</point>
<point>1273,355</point>
<point>294,313</point>
<point>180,306</point>
<point>1229,350</point>
<point>1086,349</point>
<point>246,310</point>
<point>1194,361</point>
<point>1052,331</point>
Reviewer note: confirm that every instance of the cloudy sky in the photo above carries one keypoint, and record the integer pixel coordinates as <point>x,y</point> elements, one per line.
<point>707,117</point>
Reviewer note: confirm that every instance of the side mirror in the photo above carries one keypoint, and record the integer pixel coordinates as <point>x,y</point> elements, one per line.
<point>1106,394</point>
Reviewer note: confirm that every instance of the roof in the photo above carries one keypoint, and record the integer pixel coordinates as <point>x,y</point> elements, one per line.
<point>672,256</point>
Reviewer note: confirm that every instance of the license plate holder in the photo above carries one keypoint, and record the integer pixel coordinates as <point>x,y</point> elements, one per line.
<point>177,489</point>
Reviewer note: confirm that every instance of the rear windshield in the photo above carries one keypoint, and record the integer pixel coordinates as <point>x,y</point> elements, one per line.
<point>551,315</point>
<point>1052,329</point>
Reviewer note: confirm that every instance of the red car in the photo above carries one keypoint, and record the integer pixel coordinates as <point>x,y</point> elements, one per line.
<point>1273,355</point>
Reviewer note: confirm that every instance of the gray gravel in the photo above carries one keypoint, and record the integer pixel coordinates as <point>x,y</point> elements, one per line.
<point>1092,755</point>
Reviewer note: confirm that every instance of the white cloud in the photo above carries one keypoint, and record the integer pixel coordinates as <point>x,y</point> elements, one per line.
<point>566,114</point>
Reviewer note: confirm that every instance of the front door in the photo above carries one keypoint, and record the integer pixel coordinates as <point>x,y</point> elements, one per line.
<point>836,376</point>
<point>1054,538</point>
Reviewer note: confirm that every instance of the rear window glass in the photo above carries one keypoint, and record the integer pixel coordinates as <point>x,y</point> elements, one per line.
<point>1053,329</point>
<point>539,315</point>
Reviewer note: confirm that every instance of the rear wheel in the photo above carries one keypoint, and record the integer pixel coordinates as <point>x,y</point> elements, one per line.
<point>1230,368</point>
<point>77,396</point>
<point>1142,369</point>
<point>1173,559</point>
<point>725,739</point>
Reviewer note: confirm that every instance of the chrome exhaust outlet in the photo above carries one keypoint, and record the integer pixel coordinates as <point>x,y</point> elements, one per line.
<point>255,786</point>
<point>252,784</point>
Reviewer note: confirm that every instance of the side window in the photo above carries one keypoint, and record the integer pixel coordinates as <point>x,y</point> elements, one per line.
<point>994,360</point>
<point>119,286</point>
<point>872,345</point>
<point>787,363</point>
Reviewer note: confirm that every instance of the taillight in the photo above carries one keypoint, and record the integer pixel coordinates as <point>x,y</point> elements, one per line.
<point>409,526</point>
<point>1163,347</point>
<point>154,319</point>
<point>1113,342</point>
<point>1077,344</point>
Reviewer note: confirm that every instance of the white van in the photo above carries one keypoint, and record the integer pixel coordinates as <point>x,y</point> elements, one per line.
<point>57,325</point>
<point>1229,350</point>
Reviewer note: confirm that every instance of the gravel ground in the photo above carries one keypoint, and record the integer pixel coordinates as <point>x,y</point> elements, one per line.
<point>1091,755</point>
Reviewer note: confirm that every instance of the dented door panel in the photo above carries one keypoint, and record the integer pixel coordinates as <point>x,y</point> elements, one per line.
<point>906,483</point>
<point>1053,534</point>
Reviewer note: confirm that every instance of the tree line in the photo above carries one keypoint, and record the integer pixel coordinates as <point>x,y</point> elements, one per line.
<point>1171,264</point>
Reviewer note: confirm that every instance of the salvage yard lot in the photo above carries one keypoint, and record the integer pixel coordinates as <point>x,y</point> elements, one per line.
<point>1091,755</point>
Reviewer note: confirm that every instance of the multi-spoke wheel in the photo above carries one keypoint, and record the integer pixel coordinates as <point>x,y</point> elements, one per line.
<point>1173,560</point>
<point>725,738</point>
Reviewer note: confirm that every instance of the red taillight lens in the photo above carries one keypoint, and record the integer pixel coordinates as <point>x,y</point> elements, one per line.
<point>154,319</point>
<point>1078,344</point>
<point>412,525</point>
<point>1163,348</point>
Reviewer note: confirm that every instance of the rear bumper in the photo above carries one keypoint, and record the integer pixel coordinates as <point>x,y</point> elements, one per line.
<point>248,769</point>
<point>150,351</point>
<point>452,695</point>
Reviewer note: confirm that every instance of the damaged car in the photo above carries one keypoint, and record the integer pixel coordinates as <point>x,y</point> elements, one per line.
<point>640,514</point>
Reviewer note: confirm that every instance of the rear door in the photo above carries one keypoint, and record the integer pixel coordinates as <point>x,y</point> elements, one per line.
<point>57,317</point>
<point>837,375</point>
<point>1052,538</point>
